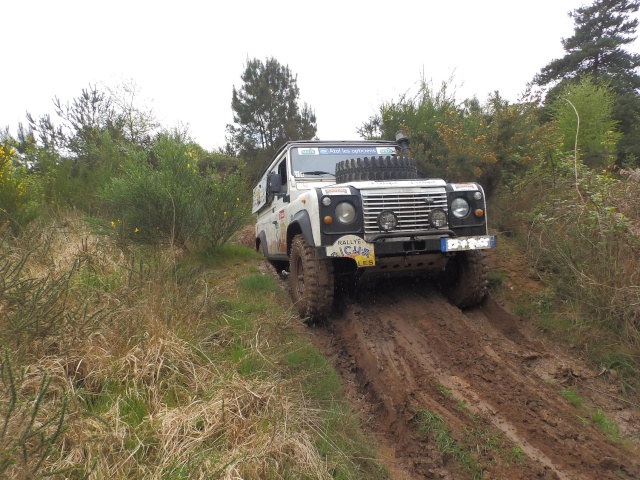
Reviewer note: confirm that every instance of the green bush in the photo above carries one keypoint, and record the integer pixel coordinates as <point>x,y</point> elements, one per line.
<point>68,182</point>
<point>583,237</point>
<point>166,198</point>
<point>16,190</point>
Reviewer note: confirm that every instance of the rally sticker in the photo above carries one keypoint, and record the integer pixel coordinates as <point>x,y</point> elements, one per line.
<point>354,247</point>
<point>461,187</point>
<point>336,191</point>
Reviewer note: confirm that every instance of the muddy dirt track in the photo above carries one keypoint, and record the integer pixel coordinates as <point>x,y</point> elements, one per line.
<point>473,394</point>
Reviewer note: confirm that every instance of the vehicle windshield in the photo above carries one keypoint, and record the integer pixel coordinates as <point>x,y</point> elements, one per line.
<point>321,161</point>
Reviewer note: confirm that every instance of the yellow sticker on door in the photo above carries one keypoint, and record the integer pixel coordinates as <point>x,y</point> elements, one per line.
<point>354,247</point>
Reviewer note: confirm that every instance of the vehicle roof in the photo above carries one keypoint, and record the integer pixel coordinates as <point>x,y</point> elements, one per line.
<point>293,143</point>
<point>334,142</point>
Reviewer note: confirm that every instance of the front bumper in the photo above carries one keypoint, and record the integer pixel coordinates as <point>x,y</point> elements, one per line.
<point>365,253</point>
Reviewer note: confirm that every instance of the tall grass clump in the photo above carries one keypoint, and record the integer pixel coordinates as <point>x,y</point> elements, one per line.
<point>44,306</point>
<point>31,424</point>
<point>590,248</point>
<point>163,197</point>
<point>583,236</point>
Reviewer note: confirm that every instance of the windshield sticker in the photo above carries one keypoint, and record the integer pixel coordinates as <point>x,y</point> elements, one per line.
<point>461,187</point>
<point>386,150</point>
<point>366,150</point>
<point>336,191</point>
<point>307,151</point>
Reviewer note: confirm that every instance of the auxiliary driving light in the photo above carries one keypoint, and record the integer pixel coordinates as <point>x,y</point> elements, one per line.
<point>438,218</point>
<point>387,220</point>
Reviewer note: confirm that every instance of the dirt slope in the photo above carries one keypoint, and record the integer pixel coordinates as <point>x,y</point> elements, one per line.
<point>474,394</point>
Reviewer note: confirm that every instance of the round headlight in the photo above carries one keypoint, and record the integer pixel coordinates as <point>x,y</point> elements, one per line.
<point>460,207</point>
<point>438,218</point>
<point>345,212</point>
<point>387,220</point>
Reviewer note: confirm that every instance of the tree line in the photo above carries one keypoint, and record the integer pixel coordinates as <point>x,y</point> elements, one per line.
<point>595,82</point>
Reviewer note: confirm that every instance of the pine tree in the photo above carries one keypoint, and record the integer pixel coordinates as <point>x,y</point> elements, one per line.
<point>266,113</point>
<point>596,50</point>
<point>601,30</point>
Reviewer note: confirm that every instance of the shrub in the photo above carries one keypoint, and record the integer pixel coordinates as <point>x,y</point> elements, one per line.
<point>16,192</point>
<point>67,182</point>
<point>167,198</point>
<point>35,308</point>
<point>583,237</point>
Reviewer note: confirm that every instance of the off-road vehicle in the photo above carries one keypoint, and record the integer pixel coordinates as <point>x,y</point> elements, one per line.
<point>332,208</point>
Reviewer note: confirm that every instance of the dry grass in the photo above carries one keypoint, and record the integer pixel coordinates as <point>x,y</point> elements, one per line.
<point>179,374</point>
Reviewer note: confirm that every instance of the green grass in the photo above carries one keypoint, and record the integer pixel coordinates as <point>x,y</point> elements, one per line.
<point>444,390</point>
<point>572,396</point>
<point>479,447</point>
<point>496,279</point>
<point>319,378</point>
<point>259,283</point>
<point>228,254</point>
<point>623,366</point>
<point>597,417</point>
<point>606,426</point>
<point>435,426</point>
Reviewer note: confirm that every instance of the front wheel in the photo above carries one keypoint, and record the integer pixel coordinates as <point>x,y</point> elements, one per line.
<point>312,283</point>
<point>465,280</point>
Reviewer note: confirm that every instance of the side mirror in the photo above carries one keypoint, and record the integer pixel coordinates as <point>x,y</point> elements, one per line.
<point>274,184</point>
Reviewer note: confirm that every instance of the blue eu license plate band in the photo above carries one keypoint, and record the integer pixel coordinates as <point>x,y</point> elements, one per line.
<point>456,244</point>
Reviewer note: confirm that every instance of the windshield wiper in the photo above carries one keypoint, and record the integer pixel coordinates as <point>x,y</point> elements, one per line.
<point>318,172</point>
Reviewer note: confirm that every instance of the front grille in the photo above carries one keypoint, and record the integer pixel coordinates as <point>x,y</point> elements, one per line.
<point>412,207</point>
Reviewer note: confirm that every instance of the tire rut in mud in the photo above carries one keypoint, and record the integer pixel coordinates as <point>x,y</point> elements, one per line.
<point>454,394</point>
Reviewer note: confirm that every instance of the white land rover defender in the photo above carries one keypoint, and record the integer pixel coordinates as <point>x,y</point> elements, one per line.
<point>329,208</point>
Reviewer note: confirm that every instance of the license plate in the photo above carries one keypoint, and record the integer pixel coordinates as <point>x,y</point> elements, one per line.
<point>482,242</point>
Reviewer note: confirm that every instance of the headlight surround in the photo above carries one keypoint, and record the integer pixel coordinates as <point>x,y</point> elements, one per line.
<point>387,220</point>
<point>460,207</point>
<point>345,213</point>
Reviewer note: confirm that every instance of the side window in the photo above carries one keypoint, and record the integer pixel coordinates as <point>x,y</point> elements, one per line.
<point>281,170</point>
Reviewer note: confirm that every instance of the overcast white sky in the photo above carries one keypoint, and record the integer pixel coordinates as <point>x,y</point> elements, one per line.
<point>349,55</point>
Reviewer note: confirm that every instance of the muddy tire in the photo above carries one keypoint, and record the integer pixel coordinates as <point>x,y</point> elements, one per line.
<point>376,168</point>
<point>464,280</point>
<point>312,282</point>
